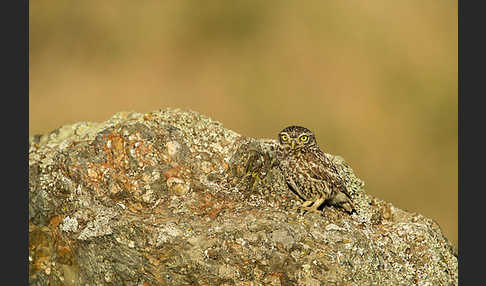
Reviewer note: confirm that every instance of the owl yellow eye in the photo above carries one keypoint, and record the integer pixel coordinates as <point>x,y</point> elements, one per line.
<point>284,137</point>
<point>304,138</point>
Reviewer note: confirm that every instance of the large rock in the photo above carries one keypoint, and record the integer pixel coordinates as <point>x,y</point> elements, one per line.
<point>173,198</point>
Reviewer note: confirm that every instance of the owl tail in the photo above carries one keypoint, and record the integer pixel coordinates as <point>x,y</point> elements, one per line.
<point>342,200</point>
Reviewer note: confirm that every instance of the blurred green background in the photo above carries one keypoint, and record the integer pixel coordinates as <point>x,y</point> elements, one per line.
<point>375,80</point>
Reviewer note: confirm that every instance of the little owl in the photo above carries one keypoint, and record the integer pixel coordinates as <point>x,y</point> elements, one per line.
<point>308,172</point>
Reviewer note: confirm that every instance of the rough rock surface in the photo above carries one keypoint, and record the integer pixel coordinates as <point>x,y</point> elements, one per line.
<point>173,198</point>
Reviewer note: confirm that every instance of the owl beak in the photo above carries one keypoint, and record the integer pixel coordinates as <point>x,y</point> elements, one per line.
<point>293,145</point>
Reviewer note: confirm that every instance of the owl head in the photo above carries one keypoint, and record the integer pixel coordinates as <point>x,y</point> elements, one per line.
<point>296,138</point>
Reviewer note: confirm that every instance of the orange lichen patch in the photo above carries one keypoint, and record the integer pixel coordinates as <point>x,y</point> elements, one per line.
<point>48,244</point>
<point>40,251</point>
<point>156,267</point>
<point>115,165</point>
<point>225,143</point>
<point>212,206</point>
<point>177,185</point>
<point>208,201</point>
<point>64,251</point>
<point>247,283</point>
<point>119,148</point>
<point>238,248</point>
<point>135,207</point>
<point>74,171</point>
<point>230,204</point>
<point>115,145</point>
<point>55,220</point>
<point>114,150</point>
<point>172,172</point>
<point>148,116</point>
<point>125,181</point>
<point>143,152</point>
<point>213,213</point>
<point>274,277</point>
<point>152,260</point>
<point>286,198</point>
<point>141,147</point>
<point>115,189</point>
<point>280,246</point>
<point>177,171</point>
<point>94,174</point>
<point>204,205</point>
<point>179,189</point>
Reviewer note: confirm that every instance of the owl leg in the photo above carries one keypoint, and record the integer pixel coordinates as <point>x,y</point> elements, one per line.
<point>315,204</point>
<point>306,204</point>
<point>318,202</point>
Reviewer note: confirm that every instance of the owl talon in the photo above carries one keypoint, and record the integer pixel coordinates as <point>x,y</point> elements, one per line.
<point>309,209</point>
<point>311,206</point>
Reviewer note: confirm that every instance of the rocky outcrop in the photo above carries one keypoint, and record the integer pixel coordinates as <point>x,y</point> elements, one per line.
<point>174,198</point>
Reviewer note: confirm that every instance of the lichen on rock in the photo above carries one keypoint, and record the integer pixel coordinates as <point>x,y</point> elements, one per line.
<point>173,198</point>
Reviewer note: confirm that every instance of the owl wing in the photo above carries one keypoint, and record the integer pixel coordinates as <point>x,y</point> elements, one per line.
<point>324,168</point>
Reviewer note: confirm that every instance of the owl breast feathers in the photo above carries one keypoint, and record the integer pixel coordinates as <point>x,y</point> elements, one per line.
<point>309,172</point>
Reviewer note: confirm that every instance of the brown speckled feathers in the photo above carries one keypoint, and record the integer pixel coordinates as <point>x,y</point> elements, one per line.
<point>309,172</point>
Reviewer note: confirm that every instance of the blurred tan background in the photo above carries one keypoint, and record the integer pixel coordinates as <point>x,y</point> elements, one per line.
<point>375,80</point>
